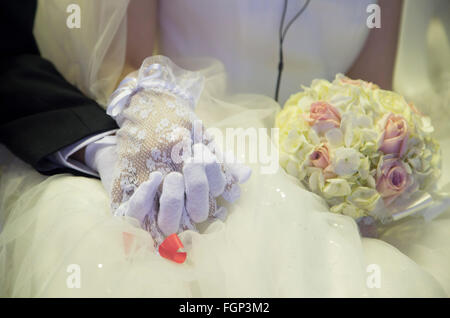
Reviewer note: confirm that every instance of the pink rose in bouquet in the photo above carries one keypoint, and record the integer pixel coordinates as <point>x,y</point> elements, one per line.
<point>320,158</point>
<point>392,180</point>
<point>395,135</point>
<point>324,116</point>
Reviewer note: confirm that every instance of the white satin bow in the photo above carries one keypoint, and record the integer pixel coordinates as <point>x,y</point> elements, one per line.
<point>151,76</point>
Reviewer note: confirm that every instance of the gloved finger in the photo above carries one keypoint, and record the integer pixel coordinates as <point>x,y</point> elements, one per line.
<point>220,213</point>
<point>122,210</point>
<point>197,191</point>
<point>143,199</point>
<point>232,192</point>
<point>171,203</point>
<point>213,170</point>
<point>186,223</point>
<point>240,172</point>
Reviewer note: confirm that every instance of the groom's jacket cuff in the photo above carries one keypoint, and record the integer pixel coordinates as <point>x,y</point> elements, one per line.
<point>42,113</point>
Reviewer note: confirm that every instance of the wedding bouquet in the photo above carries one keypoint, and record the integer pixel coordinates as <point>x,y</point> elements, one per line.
<point>363,149</point>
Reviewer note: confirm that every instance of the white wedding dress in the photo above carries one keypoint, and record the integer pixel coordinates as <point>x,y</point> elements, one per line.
<point>59,238</point>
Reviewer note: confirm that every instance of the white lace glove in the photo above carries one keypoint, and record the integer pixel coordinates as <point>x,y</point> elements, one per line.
<point>168,173</point>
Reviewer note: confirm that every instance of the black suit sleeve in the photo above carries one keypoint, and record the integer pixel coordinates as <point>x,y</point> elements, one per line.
<point>40,112</point>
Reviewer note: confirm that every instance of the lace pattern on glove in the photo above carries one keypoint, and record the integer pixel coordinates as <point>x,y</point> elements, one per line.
<point>155,115</point>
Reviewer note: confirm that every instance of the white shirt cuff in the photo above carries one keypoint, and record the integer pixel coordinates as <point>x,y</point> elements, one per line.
<point>62,157</point>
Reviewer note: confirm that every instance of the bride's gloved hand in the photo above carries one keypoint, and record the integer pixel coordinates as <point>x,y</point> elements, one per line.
<point>168,172</point>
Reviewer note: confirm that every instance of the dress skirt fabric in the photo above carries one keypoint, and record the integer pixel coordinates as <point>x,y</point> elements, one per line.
<point>59,238</point>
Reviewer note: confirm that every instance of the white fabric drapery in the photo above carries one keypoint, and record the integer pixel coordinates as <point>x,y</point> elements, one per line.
<point>50,224</point>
